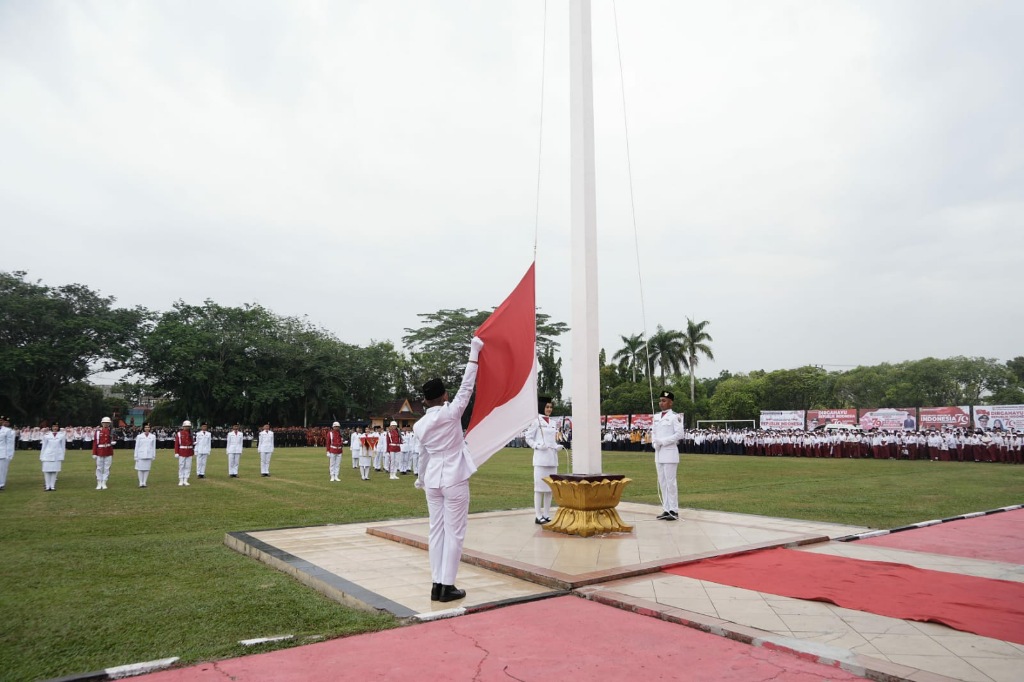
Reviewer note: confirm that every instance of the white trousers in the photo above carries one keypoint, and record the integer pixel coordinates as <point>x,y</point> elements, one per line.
<point>102,468</point>
<point>49,479</point>
<point>4,466</point>
<point>184,467</point>
<point>201,458</point>
<point>355,459</point>
<point>449,515</point>
<point>376,459</point>
<point>233,459</point>
<point>265,462</point>
<point>669,486</point>
<point>416,463</point>
<point>334,465</point>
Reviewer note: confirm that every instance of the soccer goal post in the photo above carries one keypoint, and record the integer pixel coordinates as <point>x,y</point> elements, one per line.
<point>738,423</point>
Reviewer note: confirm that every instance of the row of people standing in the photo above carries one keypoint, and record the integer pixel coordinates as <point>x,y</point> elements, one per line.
<point>188,446</point>
<point>394,451</point>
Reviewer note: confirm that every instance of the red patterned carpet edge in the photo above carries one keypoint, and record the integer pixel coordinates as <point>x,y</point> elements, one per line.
<point>995,537</point>
<point>991,608</point>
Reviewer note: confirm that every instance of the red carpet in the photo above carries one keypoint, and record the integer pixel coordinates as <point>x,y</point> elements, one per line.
<point>991,608</point>
<point>996,537</point>
<point>565,638</point>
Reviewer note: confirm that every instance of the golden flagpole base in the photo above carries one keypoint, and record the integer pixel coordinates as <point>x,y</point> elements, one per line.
<point>586,504</point>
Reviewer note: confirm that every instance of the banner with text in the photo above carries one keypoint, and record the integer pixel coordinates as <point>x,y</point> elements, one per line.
<point>816,418</point>
<point>999,417</point>
<point>889,418</point>
<point>944,417</point>
<point>616,421</point>
<point>641,421</point>
<point>782,420</point>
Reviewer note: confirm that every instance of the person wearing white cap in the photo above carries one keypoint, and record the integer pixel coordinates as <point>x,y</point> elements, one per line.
<point>6,449</point>
<point>266,449</point>
<point>393,449</point>
<point>204,444</point>
<point>236,441</point>
<point>51,454</point>
<point>335,449</point>
<point>184,448</point>
<point>103,452</point>
<point>666,432</point>
<point>145,453</point>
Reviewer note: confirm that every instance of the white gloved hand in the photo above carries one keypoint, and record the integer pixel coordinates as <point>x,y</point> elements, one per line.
<point>418,484</point>
<point>559,446</point>
<point>475,346</point>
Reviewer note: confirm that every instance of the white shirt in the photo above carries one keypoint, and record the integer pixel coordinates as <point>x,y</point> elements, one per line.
<point>666,432</point>
<point>266,443</point>
<point>235,441</point>
<point>444,457</point>
<point>145,446</point>
<point>540,435</point>
<point>203,442</point>
<point>356,443</point>
<point>6,442</point>
<point>54,445</point>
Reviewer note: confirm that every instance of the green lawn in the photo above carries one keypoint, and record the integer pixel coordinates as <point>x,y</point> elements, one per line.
<point>91,579</point>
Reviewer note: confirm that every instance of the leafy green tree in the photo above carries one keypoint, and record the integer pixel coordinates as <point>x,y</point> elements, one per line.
<point>792,389</point>
<point>549,378</point>
<point>631,357</point>
<point>54,337</point>
<point>694,344</point>
<point>665,351</point>
<point>1016,367</point>
<point>440,346</point>
<point>738,397</point>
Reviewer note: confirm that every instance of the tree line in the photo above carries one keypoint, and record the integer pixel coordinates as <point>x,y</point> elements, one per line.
<point>249,364</point>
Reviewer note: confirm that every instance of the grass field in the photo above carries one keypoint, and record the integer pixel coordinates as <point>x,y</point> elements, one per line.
<point>92,579</point>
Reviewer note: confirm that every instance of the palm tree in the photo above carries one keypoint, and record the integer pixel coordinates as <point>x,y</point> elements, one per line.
<point>693,342</point>
<point>630,356</point>
<point>665,350</point>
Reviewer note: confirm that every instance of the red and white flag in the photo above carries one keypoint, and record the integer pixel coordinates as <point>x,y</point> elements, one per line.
<point>506,380</point>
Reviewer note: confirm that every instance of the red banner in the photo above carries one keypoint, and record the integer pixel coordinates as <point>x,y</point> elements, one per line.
<point>641,421</point>
<point>943,417</point>
<point>816,418</point>
<point>617,421</point>
<point>889,418</point>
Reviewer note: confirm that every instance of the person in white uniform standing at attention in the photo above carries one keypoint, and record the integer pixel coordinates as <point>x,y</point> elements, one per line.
<point>266,449</point>
<point>666,432</point>
<point>6,449</point>
<point>54,445</point>
<point>543,437</point>
<point>204,443</point>
<point>445,468</point>
<point>236,440</point>
<point>145,453</point>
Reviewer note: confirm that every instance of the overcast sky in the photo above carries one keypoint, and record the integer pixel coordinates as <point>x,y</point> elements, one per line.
<point>834,183</point>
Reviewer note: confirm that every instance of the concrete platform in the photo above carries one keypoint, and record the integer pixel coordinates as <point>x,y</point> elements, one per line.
<point>509,559</point>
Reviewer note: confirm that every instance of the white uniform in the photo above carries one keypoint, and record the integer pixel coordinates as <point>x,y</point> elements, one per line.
<point>446,466</point>
<point>414,452</point>
<point>666,432</point>
<point>145,453</point>
<point>266,449</point>
<point>203,446</point>
<point>236,439</point>
<point>356,444</point>
<point>54,446</point>
<point>6,452</point>
<point>541,435</point>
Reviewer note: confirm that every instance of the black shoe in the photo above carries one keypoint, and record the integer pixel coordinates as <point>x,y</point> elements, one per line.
<point>450,593</point>
<point>539,520</point>
<point>234,475</point>
<point>663,516</point>
<point>264,475</point>
<point>674,515</point>
<point>435,591</point>
<point>200,475</point>
<point>547,519</point>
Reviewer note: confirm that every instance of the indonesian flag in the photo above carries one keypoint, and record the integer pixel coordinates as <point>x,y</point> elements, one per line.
<point>506,380</point>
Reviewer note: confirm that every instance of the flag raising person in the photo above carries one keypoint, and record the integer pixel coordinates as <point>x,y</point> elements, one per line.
<point>445,468</point>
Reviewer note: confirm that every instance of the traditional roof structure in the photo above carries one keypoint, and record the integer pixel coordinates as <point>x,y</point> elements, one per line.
<point>404,411</point>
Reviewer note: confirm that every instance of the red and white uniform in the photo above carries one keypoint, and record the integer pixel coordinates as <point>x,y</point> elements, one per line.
<point>335,449</point>
<point>102,452</point>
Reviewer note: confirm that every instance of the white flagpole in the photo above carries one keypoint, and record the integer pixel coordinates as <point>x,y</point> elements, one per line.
<point>586,395</point>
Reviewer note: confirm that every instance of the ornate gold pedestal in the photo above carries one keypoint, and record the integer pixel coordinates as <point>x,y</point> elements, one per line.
<point>586,504</point>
